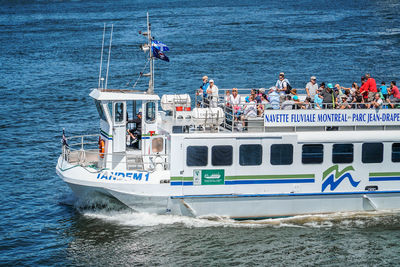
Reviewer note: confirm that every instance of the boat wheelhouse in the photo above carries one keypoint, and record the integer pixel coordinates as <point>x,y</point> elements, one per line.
<point>186,158</point>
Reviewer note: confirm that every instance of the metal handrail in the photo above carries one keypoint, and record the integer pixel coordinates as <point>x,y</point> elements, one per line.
<point>231,118</point>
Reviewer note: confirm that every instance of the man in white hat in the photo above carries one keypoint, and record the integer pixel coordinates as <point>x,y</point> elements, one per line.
<point>312,87</point>
<point>212,92</point>
<point>282,83</point>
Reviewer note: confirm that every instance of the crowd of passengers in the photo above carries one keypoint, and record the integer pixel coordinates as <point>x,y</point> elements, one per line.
<point>283,96</point>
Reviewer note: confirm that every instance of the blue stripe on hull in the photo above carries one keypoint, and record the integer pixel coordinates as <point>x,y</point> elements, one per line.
<point>181,183</point>
<point>377,179</point>
<point>105,136</point>
<point>270,181</point>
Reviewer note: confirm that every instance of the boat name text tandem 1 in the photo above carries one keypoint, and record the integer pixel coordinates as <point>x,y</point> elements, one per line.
<point>118,175</point>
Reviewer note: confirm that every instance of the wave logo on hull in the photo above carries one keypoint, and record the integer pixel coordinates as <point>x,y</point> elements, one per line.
<point>334,177</point>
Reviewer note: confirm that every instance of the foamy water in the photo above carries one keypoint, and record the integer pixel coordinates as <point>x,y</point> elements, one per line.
<point>342,219</point>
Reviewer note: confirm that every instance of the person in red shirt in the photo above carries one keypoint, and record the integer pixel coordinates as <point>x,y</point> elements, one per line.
<point>394,94</point>
<point>363,89</point>
<point>370,86</point>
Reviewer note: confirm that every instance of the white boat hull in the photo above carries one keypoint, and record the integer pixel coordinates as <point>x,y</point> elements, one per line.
<point>167,199</point>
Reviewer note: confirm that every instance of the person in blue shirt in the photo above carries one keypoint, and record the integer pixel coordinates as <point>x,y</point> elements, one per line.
<point>203,92</point>
<point>383,90</point>
<point>318,98</point>
<point>274,98</point>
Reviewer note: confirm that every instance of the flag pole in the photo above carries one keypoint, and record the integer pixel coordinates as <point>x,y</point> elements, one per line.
<point>151,81</point>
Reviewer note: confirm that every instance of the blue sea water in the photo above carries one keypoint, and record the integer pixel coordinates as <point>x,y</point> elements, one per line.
<point>49,60</point>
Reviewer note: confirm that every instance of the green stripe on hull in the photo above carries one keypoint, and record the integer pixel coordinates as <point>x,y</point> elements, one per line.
<point>252,177</point>
<point>181,178</point>
<point>106,134</point>
<point>372,174</point>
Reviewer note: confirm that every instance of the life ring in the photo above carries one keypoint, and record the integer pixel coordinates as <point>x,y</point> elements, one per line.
<point>101,148</point>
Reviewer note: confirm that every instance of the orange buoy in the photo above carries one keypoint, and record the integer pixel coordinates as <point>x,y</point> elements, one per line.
<point>101,147</point>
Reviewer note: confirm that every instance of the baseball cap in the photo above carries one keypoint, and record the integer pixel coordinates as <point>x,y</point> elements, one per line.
<point>282,74</point>
<point>211,81</point>
<point>330,85</point>
<point>313,78</point>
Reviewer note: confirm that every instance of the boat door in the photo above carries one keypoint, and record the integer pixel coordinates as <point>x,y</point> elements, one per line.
<point>119,126</point>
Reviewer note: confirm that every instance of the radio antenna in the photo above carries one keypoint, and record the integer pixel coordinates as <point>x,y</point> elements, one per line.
<point>101,57</point>
<point>109,54</point>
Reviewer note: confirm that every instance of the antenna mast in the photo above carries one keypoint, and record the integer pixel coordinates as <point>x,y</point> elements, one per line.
<point>109,54</point>
<point>148,47</point>
<point>101,57</point>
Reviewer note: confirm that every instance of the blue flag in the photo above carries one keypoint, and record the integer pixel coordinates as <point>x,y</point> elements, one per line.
<point>160,46</point>
<point>158,54</point>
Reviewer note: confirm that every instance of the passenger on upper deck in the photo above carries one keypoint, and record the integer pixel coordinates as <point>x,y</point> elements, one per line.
<point>264,102</point>
<point>322,86</point>
<point>288,103</point>
<point>227,99</point>
<point>318,98</point>
<point>297,103</point>
<point>364,89</point>
<point>282,85</point>
<point>311,87</point>
<point>370,86</point>
<point>203,91</point>
<point>394,94</point>
<point>307,103</point>
<point>353,89</point>
<point>377,102</point>
<point>358,100</point>
<point>329,97</point>
<point>383,90</point>
<point>212,92</point>
<point>250,110</point>
<point>235,102</point>
<point>274,98</point>
<point>344,100</point>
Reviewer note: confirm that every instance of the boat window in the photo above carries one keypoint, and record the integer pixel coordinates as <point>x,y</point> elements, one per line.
<point>372,152</point>
<point>119,112</point>
<point>396,152</point>
<point>157,145</point>
<point>221,155</point>
<point>281,154</point>
<point>100,110</point>
<point>312,154</point>
<point>197,156</point>
<point>342,153</point>
<point>250,155</point>
<point>150,112</point>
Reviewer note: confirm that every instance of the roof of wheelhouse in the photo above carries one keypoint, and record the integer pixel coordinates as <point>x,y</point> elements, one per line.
<point>121,95</point>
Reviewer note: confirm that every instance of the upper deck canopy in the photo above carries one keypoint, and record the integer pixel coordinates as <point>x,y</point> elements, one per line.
<point>121,95</point>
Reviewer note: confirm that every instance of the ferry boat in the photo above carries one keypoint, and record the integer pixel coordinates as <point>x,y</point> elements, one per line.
<point>193,160</point>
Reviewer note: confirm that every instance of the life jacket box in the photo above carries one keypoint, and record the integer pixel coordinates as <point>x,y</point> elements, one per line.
<point>175,102</point>
<point>214,116</point>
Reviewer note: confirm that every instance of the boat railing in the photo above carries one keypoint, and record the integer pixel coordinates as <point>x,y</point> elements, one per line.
<point>81,149</point>
<point>237,119</point>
